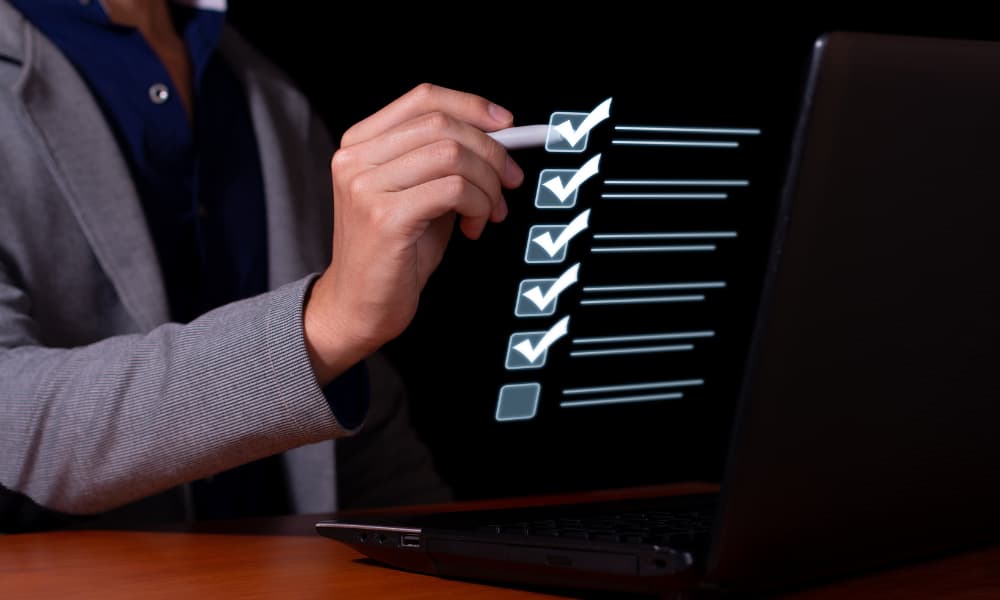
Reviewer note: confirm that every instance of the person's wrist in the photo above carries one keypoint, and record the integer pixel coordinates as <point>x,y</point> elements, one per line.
<point>333,348</point>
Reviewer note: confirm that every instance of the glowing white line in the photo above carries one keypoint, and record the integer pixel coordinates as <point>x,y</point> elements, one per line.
<point>641,338</point>
<point>661,129</point>
<point>725,182</point>
<point>632,387</point>
<point>664,236</point>
<point>621,400</point>
<point>650,300</point>
<point>654,286</point>
<point>698,248</point>
<point>643,350</point>
<point>614,196</point>
<point>675,143</point>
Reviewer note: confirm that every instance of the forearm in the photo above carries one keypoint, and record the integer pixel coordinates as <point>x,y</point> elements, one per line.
<point>91,428</point>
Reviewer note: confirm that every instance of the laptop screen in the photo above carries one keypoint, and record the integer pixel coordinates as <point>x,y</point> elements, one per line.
<point>596,338</point>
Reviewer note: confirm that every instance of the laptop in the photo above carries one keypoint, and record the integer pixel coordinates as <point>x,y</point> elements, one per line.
<point>865,429</point>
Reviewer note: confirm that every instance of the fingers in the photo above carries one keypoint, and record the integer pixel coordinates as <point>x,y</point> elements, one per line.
<point>440,159</point>
<point>437,197</point>
<point>432,138</point>
<point>426,98</point>
<point>427,147</point>
<point>432,127</point>
<point>421,187</point>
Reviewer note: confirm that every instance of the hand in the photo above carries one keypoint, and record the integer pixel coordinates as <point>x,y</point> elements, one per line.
<point>400,178</point>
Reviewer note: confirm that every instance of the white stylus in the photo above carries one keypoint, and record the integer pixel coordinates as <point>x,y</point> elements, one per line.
<point>523,136</point>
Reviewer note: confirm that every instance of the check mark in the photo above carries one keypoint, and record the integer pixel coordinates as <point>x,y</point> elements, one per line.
<point>575,226</point>
<point>588,170</point>
<point>573,136</point>
<point>565,280</point>
<point>533,351</point>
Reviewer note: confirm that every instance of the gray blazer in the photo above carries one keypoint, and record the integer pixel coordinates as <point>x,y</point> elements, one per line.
<point>105,406</point>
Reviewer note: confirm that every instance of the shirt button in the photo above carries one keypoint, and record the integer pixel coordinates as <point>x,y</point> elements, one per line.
<point>159,93</point>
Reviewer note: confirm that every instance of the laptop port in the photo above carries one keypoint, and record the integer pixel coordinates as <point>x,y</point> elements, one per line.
<point>409,540</point>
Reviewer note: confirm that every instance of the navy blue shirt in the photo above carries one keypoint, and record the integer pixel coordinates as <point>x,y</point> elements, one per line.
<point>199,179</point>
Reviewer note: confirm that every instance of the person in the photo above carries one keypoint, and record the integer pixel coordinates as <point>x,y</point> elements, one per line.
<point>195,285</point>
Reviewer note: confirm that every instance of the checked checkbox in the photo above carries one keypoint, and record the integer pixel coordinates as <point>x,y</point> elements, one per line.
<point>547,243</point>
<point>538,297</point>
<point>552,192</point>
<point>528,350</point>
<point>574,128</point>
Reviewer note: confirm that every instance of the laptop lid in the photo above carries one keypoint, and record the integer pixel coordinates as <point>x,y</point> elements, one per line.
<point>867,429</point>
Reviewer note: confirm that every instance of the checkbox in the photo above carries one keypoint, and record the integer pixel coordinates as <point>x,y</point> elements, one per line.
<point>536,253</point>
<point>518,402</point>
<point>538,297</point>
<point>570,131</point>
<point>557,188</point>
<point>528,350</point>
<point>517,360</point>
<point>547,243</point>
<point>526,307</point>
<point>555,143</point>
<point>546,198</point>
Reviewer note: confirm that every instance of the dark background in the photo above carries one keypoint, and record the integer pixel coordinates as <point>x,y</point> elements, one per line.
<point>691,68</point>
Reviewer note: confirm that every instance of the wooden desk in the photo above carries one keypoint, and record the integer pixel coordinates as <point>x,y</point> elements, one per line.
<point>285,558</point>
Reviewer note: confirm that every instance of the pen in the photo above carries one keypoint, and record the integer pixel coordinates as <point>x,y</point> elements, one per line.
<point>523,136</point>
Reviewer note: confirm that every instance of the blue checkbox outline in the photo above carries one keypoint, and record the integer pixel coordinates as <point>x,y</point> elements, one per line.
<point>552,229</point>
<point>534,337</point>
<point>536,387</point>
<point>546,175</point>
<point>527,284</point>
<point>575,119</point>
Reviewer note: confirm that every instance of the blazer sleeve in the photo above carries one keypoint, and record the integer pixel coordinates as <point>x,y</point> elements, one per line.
<point>89,428</point>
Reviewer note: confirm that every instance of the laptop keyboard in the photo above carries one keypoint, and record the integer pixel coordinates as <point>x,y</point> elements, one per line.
<point>684,530</point>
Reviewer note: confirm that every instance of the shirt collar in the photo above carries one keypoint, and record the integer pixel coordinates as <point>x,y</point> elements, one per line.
<point>93,10</point>
<point>199,23</point>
